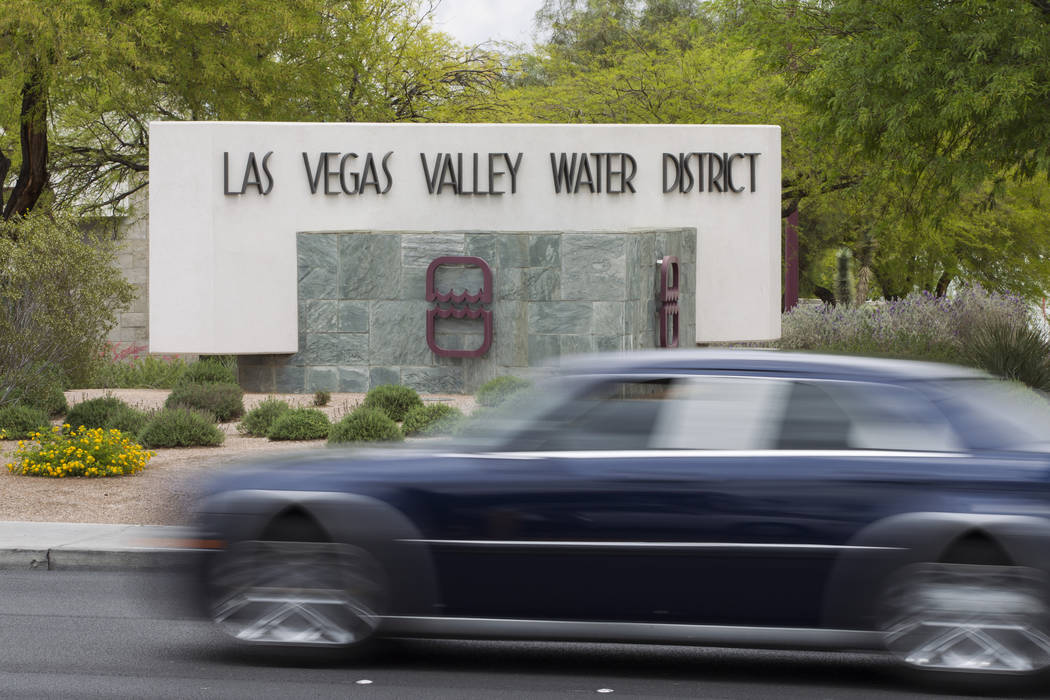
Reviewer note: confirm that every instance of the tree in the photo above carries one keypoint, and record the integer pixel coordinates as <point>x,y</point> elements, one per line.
<point>935,113</point>
<point>950,94</point>
<point>93,74</point>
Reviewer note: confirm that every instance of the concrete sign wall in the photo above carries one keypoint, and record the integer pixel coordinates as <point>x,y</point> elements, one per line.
<point>227,201</point>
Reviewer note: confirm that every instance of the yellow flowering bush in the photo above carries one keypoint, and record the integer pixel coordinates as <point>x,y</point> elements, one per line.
<point>81,451</point>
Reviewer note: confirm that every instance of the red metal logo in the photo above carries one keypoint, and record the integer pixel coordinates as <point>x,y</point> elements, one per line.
<point>669,301</point>
<point>460,305</point>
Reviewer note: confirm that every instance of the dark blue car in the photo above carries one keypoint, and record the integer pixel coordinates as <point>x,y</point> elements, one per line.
<point>742,498</point>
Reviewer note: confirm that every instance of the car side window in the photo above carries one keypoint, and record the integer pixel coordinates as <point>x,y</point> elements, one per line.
<point>615,415</point>
<point>892,417</point>
<point>832,415</point>
<point>813,420</point>
<point>722,413</point>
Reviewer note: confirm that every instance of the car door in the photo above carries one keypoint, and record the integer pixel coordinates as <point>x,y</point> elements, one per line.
<point>747,492</point>
<point>511,541</point>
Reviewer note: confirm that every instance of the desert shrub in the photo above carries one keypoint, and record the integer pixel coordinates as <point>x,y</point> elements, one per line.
<point>393,400</point>
<point>321,398</point>
<point>224,401</point>
<point>300,424</point>
<point>1012,352</point>
<point>919,326</point>
<point>181,427</point>
<point>365,425</point>
<point>207,371</point>
<point>432,419</point>
<point>496,391</point>
<point>258,421</point>
<point>107,412</point>
<point>18,421</point>
<point>128,368</point>
<point>45,394</point>
<point>477,423</point>
<point>87,452</point>
<point>62,291</point>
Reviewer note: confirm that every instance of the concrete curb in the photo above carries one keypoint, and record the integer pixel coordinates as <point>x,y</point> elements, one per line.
<point>90,546</point>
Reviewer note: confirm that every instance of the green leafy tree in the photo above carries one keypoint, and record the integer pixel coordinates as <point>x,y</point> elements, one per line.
<point>934,116</point>
<point>80,79</point>
<point>952,93</point>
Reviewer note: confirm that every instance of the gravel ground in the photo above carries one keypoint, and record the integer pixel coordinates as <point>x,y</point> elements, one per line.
<point>163,492</point>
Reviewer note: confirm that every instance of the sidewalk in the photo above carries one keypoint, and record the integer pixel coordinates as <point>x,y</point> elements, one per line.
<point>89,546</point>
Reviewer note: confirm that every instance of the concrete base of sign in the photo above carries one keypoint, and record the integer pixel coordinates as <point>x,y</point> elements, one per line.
<point>363,305</point>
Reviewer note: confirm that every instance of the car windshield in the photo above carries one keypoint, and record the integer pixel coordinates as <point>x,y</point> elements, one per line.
<point>996,414</point>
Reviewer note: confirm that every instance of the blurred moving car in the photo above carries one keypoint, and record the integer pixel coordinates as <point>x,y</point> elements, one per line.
<point>741,498</point>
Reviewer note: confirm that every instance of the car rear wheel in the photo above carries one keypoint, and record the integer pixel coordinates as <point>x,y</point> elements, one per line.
<point>968,618</point>
<point>319,594</point>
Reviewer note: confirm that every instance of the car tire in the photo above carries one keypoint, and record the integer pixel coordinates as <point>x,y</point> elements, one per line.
<point>969,621</point>
<point>297,594</point>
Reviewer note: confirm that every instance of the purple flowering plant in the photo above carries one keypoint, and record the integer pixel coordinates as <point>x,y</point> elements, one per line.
<point>919,326</point>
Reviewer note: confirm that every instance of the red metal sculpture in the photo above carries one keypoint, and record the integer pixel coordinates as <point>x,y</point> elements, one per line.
<point>669,300</point>
<point>460,305</point>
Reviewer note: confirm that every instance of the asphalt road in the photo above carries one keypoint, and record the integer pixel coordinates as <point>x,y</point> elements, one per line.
<point>112,635</point>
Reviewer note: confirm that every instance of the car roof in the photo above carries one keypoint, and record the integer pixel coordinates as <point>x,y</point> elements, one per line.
<point>769,361</point>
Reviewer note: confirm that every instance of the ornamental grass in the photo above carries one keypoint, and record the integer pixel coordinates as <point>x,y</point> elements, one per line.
<point>90,452</point>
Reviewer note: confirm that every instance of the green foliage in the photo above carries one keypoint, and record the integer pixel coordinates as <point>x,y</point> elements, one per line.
<point>60,291</point>
<point>933,147</point>
<point>496,391</point>
<point>146,372</point>
<point>952,92</point>
<point>300,424</point>
<point>107,412</point>
<point>46,394</point>
<point>207,371</point>
<point>181,427</point>
<point>1010,351</point>
<point>365,425</point>
<point>18,421</point>
<point>107,69</point>
<point>224,401</point>
<point>260,419</point>
<point>432,419</point>
<point>393,400</point>
<point>321,398</point>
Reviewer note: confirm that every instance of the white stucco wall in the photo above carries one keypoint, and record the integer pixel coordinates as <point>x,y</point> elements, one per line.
<point>222,275</point>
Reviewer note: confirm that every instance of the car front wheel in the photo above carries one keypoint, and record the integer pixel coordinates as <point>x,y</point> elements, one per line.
<point>297,594</point>
<point>968,618</point>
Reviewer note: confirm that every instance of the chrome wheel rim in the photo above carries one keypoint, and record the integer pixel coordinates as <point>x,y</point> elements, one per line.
<point>297,593</point>
<point>957,617</point>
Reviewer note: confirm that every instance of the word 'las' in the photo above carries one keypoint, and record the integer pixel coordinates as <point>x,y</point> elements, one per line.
<point>482,174</point>
<point>262,181</point>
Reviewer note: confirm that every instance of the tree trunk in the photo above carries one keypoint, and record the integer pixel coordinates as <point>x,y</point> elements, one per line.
<point>824,294</point>
<point>5,166</point>
<point>33,175</point>
<point>942,284</point>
